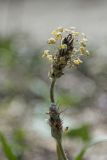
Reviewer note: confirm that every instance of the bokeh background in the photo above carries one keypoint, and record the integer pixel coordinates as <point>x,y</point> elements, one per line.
<point>25,26</point>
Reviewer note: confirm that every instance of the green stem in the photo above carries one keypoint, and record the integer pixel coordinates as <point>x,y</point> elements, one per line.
<point>52,90</point>
<point>60,151</point>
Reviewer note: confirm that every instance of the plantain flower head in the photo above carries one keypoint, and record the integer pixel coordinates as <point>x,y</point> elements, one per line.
<point>67,47</point>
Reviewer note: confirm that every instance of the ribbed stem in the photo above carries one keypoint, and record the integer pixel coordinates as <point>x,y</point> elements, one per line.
<point>59,156</point>
<point>60,151</point>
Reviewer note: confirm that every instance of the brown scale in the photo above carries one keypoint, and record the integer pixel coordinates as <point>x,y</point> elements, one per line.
<point>54,119</point>
<point>69,42</point>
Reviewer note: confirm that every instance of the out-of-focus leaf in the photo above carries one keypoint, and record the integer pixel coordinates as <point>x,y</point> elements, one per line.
<point>6,148</point>
<point>19,139</point>
<point>81,154</point>
<point>7,54</point>
<point>68,99</point>
<point>82,132</point>
<point>19,135</point>
<point>90,144</point>
<point>19,144</point>
<point>5,43</point>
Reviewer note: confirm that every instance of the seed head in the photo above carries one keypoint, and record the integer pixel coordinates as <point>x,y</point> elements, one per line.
<point>69,47</point>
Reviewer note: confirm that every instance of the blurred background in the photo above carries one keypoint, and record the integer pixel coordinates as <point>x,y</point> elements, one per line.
<point>25,26</point>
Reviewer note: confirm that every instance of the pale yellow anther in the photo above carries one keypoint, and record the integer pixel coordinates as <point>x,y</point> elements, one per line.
<point>54,32</point>
<point>82,50</point>
<point>83,34</point>
<point>85,39</point>
<point>60,29</point>
<point>50,57</point>
<point>63,46</point>
<point>67,30</point>
<point>87,52</point>
<point>82,44</point>
<point>46,53</point>
<point>76,33</point>
<point>72,28</point>
<point>77,61</point>
<point>51,41</point>
<point>58,35</point>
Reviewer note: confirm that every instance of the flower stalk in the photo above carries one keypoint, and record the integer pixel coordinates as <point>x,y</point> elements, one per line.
<point>70,47</point>
<point>52,90</point>
<point>56,125</point>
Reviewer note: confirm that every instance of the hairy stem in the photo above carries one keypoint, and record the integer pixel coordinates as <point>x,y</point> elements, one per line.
<point>52,90</point>
<point>55,131</point>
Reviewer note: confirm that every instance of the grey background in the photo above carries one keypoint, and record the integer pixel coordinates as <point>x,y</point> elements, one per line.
<point>39,17</point>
